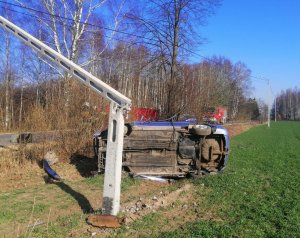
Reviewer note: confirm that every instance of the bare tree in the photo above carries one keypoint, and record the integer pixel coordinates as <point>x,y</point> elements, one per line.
<point>8,75</point>
<point>65,21</point>
<point>8,82</point>
<point>171,27</point>
<point>240,84</point>
<point>147,62</point>
<point>288,104</point>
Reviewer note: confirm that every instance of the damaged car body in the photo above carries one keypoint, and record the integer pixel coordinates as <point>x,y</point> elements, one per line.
<point>169,149</point>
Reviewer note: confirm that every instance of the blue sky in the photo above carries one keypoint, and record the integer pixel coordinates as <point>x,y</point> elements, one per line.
<point>265,35</point>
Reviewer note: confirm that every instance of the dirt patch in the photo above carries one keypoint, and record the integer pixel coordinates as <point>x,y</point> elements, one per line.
<point>142,207</point>
<point>238,128</point>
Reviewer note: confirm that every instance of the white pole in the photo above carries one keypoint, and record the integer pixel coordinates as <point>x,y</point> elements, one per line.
<point>113,164</point>
<point>275,109</point>
<point>269,112</point>
<point>269,102</point>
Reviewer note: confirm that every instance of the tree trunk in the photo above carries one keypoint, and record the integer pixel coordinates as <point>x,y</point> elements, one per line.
<point>172,85</point>
<point>7,83</point>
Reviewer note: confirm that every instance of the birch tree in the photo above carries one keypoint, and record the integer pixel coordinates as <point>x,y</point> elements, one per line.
<point>8,82</point>
<point>65,21</point>
<point>8,75</point>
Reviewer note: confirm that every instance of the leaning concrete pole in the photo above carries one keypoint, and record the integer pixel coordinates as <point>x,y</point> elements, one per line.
<point>113,165</point>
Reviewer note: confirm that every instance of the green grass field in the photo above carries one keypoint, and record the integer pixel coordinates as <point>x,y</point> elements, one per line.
<point>259,194</point>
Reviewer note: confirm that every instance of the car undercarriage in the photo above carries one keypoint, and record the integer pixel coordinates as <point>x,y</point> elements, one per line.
<point>170,149</point>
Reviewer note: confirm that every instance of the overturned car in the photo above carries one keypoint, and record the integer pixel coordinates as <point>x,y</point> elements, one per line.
<point>170,149</point>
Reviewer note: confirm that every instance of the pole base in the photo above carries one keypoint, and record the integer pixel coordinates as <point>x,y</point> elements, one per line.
<point>105,221</point>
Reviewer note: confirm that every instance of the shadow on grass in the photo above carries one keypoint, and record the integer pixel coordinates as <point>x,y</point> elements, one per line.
<point>84,164</point>
<point>82,201</point>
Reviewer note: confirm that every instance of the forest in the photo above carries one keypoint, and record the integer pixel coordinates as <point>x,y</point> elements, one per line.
<point>288,105</point>
<point>145,50</point>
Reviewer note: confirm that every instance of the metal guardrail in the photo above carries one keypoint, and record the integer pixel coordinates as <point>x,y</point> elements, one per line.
<point>7,139</point>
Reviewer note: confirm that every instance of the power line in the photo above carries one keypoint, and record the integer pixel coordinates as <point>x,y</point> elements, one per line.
<point>107,36</point>
<point>72,20</point>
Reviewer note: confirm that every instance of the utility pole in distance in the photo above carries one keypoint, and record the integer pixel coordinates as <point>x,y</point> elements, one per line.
<point>275,113</point>
<point>269,102</point>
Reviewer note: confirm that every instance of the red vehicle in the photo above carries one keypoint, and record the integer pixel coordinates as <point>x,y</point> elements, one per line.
<point>216,115</point>
<point>143,114</point>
